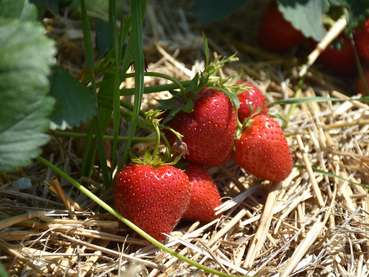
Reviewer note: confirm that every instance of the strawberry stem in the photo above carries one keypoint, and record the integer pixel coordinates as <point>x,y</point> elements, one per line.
<point>158,88</point>
<point>155,123</point>
<point>105,137</point>
<point>160,75</point>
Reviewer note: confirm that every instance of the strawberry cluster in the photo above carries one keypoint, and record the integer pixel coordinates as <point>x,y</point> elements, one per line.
<point>157,196</point>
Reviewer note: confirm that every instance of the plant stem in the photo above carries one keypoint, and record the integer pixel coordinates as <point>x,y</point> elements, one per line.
<point>105,137</point>
<point>160,75</point>
<point>131,225</point>
<point>157,141</point>
<point>153,89</point>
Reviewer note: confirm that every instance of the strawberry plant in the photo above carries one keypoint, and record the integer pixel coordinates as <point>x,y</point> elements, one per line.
<point>150,191</point>
<point>45,100</point>
<point>151,165</point>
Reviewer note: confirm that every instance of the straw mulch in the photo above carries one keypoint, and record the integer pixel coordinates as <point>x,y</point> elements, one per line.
<point>314,223</point>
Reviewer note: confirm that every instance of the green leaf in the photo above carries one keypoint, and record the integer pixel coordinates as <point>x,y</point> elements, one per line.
<point>358,11</point>
<point>305,15</point>
<point>26,55</point>
<point>21,9</point>
<point>75,103</point>
<point>104,37</point>
<point>49,5</point>
<point>208,11</point>
<point>3,272</point>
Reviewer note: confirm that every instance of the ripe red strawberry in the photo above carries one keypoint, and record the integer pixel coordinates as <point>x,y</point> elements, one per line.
<point>209,130</point>
<point>262,150</point>
<point>204,195</point>
<point>362,84</point>
<point>252,101</point>
<point>154,198</point>
<point>339,60</point>
<point>276,33</point>
<point>361,36</point>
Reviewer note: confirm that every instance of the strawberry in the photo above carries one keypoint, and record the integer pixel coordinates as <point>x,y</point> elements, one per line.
<point>154,198</point>
<point>362,84</point>
<point>204,195</point>
<point>361,36</point>
<point>276,33</point>
<point>209,129</point>
<point>252,101</point>
<point>262,150</point>
<point>340,60</point>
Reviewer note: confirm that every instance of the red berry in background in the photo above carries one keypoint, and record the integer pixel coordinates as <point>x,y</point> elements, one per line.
<point>339,60</point>
<point>154,198</point>
<point>276,33</point>
<point>205,196</point>
<point>262,150</point>
<point>252,101</point>
<point>361,36</point>
<point>362,84</point>
<point>209,129</point>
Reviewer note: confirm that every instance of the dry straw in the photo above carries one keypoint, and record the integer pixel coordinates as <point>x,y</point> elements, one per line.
<point>315,223</point>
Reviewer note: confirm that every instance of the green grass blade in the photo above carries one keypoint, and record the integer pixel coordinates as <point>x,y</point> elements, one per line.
<point>116,94</point>
<point>137,25</point>
<point>88,162</point>
<point>89,152</point>
<point>364,99</point>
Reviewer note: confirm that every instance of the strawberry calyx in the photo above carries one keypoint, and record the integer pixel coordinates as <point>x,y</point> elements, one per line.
<point>209,78</point>
<point>247,122</point>
<point>160,154</point>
